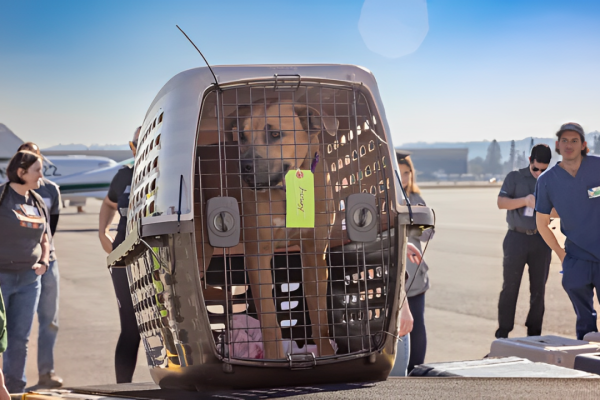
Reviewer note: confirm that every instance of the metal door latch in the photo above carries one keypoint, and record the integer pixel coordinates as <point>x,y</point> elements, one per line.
<point>361,217</point>
<point>223,221</point>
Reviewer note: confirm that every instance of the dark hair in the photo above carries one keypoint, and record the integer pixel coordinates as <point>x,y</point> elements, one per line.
<point>412,185</point>
<point>23,159</point>
<point>541,153</point>
<point>585,149</point>
<point>30,145</point>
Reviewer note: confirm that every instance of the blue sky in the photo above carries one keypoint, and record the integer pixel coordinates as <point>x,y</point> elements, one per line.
<point>86,71</point>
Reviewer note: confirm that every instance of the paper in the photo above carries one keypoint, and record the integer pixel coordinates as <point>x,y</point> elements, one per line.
<point>594,192</point>
<point>300,199</point>
<point>528,212</point>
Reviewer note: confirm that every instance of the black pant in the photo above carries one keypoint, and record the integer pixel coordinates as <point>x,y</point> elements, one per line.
<point>129,339</point>
<point>520,249</point>
<point>418,335</point>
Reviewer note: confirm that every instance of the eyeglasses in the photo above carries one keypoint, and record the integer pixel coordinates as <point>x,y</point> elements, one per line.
<point>133,145</point>
<point>536,169</point>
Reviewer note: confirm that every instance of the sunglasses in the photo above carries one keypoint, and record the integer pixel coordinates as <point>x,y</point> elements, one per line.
<point>133,145</point>
<point>536,169</point>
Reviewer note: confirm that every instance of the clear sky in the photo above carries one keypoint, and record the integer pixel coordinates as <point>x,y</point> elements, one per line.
<point>86,71</point>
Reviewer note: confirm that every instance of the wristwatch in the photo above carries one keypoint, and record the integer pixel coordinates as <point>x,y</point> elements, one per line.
<point>44,263</point>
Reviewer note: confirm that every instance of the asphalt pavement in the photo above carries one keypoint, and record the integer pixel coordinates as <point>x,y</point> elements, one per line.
<point>465,259</point>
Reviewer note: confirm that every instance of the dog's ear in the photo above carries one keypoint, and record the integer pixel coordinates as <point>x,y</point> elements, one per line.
<point>313,122</point>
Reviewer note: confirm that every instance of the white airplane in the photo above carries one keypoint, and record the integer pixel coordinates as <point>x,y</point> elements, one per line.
<point>72,172</point>
<point>56,167</point>
<point>95,183</point>
<point>59,166</point>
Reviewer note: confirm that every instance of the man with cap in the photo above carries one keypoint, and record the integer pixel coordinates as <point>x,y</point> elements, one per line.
<point>117,200</point>
<point>572,187</point>
<point>523,245</point>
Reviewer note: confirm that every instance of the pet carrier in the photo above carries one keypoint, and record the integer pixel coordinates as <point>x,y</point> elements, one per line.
<point>267,229</point>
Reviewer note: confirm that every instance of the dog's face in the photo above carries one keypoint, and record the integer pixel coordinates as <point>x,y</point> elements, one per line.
<point>274,139</point>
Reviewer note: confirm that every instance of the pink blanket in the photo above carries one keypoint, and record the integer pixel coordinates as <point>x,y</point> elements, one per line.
<point>246,340</point>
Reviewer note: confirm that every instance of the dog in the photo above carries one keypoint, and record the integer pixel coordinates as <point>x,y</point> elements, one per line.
<point>273,139</point>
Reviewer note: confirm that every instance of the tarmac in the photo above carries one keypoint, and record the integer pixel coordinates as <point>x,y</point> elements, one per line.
<point>465,260</point>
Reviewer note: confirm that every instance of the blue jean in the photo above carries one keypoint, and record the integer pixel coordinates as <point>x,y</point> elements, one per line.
<point>418,335</point>
<point>402,357</point>
<point>580,277</point>
<point>47,311</point>
<point>21,291</point>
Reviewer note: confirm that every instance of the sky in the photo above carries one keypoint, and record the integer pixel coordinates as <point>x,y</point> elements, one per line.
<point>448,70</point>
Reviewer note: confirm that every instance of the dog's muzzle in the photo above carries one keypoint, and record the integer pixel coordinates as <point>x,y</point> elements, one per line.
<point>255,173</point>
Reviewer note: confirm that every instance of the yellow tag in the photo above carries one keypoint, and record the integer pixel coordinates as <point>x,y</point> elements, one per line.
<point>300,199</point>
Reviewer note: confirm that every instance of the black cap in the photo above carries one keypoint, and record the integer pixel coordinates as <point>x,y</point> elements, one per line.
<point>571,126</point>
<point>541,153</point>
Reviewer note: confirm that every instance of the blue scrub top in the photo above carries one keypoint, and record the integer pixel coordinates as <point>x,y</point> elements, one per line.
<point>579,214</point>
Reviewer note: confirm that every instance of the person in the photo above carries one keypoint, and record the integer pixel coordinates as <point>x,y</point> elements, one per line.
<point>4,395</point>
<point>47,310</point>
<point>523,245</point>
<point>413,254</point>
<point>24,256</point>
<point>117,199</point>
<point>418,282</point>
<point>572,187</point>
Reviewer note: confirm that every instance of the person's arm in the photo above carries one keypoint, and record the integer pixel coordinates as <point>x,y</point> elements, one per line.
<point>107,214</point>
<point>413,253</point>
<point>506,203</point>
<point>53,223</point>
<point>4,395</point>
<point>55,210</point>
<point>554,214</point>
<point>507,199</point>
<point>542,221</point>
<point>406,318</point>
<point>40,269</point>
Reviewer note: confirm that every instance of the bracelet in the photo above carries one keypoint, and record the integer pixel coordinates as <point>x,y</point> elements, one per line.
<point>44,263</point>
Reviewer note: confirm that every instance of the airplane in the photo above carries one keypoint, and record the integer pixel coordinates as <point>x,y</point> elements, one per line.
<point>95,183</point>
<point>69,171</point>
<point>58,166</point>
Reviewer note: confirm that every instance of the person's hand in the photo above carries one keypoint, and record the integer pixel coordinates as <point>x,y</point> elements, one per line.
<point>4,395</point>
<point>406,320</point>
<point>106,241</point>
<point>40,269</point>
<point>413,254</point>
<point>530,201</point>
<point>561,255</point>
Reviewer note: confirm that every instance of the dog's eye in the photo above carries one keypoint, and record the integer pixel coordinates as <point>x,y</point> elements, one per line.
<point>275,134</point>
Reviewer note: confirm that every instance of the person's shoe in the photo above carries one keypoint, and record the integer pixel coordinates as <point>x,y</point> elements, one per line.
<point>50,381</point>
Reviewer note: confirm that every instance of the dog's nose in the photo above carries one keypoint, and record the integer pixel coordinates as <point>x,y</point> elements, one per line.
<point>247,166</point>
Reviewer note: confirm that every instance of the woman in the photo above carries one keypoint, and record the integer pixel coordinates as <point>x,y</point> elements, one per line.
<point>24,256</point>
<point>418,281</point>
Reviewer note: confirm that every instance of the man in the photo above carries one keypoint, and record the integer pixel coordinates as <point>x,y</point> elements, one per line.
<point>47,310</point>
<point>523,245</point>
<point>117,199</point>
<point>572,187</point>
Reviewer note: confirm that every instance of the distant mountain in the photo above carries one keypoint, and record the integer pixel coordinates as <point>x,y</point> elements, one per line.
<point>479,149</point>
<point>79,147</point>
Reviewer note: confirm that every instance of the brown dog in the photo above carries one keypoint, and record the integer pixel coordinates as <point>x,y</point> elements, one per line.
<point>274,139</point>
